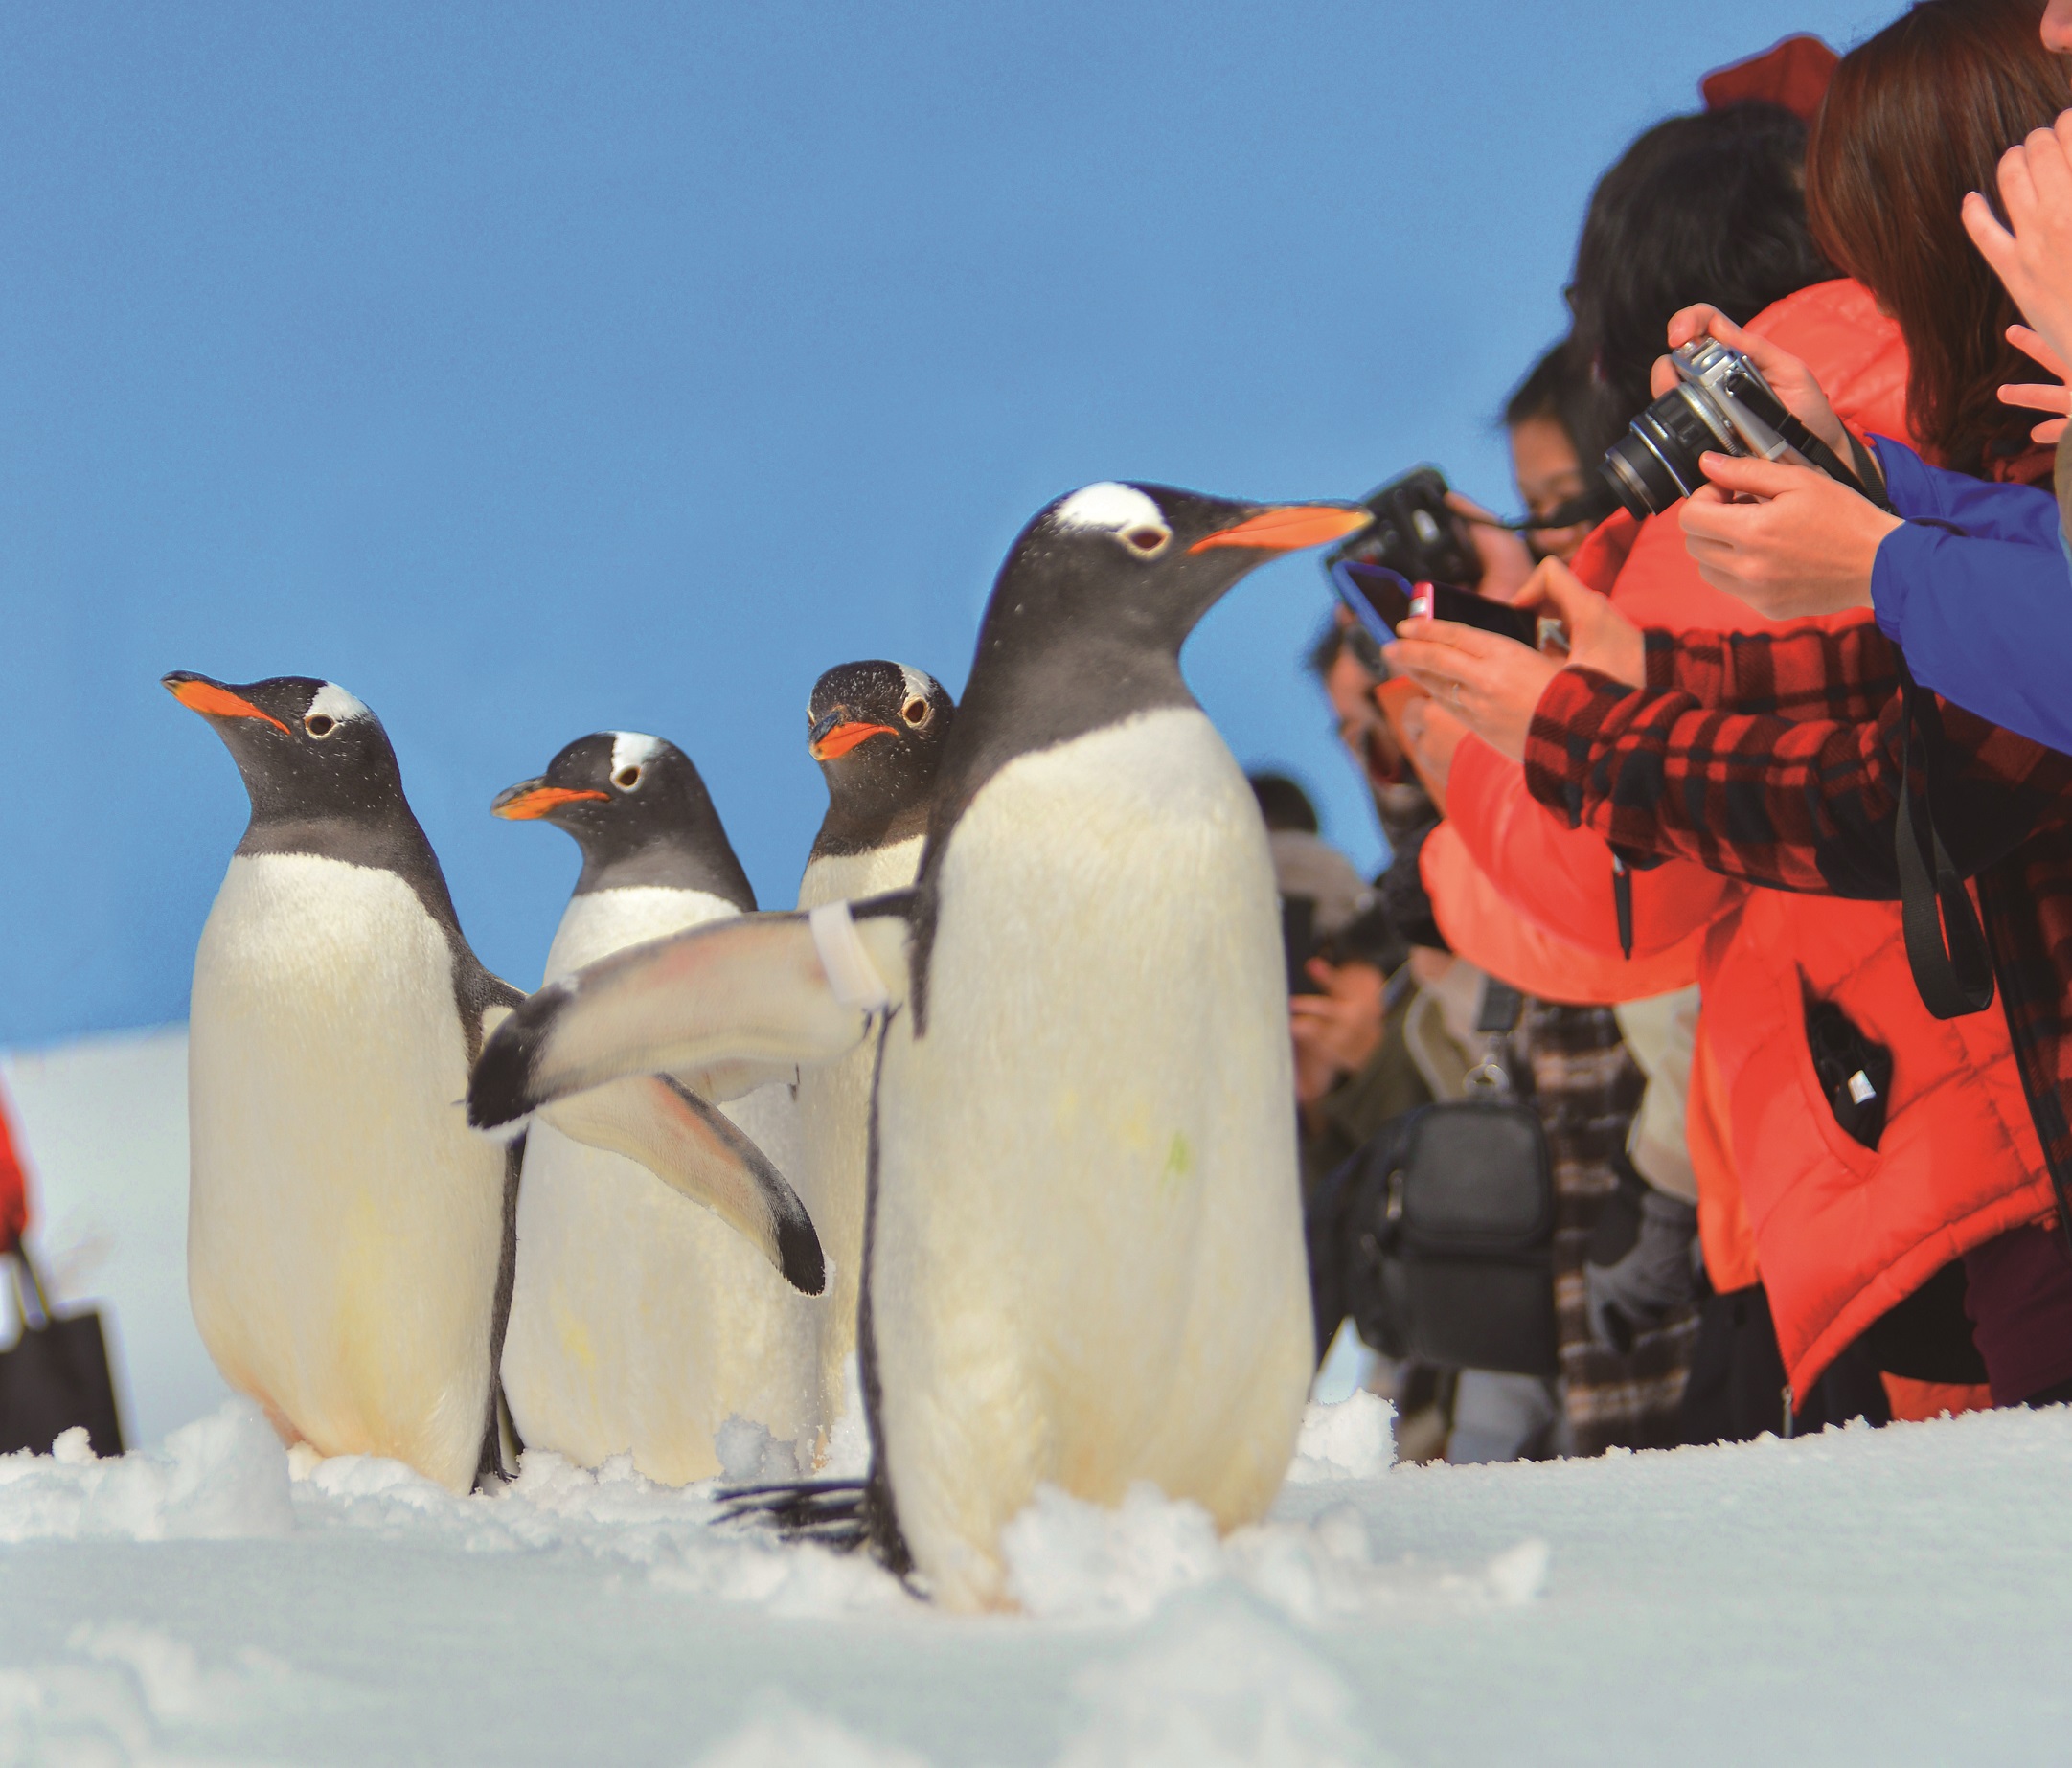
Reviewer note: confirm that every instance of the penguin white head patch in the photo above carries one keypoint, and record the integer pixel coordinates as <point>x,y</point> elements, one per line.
<point>917,686</point>
<point>332,701</point>
<point>1120,510</point>
<point>631,752</point>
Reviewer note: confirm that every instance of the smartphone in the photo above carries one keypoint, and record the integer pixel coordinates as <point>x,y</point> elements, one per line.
<point>1381,597</point>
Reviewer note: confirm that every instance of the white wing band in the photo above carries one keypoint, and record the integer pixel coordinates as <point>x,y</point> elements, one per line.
<point>850,973</point>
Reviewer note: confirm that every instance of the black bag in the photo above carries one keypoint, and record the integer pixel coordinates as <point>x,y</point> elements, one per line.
<point>1443,1230</point>
<point>57,1375</point>
<point>1853,1073</point>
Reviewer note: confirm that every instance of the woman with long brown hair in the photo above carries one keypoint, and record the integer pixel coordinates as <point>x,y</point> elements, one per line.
<point>1777,756</point>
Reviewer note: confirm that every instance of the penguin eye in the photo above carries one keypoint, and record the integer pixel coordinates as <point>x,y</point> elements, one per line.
<point>916,712</point>
<point>319,725</point>
<point>1147,539</point>
<point>627,779</point>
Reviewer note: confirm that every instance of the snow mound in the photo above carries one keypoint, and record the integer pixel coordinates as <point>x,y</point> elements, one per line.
<point>1215,1684</point>
<point>1074,1560</point>
<point>1069,1560</point>
<point>1353,1439</point>
<point>612,1515</point>
<point>793,1739</point>
<point>125,1691</point>
<point>220,1477</point>
<point>1218,1686</point>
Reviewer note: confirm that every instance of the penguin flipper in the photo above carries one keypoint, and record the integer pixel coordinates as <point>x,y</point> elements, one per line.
<point>692,1148</point>
<point>788,989</point>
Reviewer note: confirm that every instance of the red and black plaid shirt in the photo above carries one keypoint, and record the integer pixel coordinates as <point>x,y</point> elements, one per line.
<point>1774,757</point>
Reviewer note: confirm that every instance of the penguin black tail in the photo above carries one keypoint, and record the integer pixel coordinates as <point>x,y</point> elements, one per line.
<point>832,1512</point>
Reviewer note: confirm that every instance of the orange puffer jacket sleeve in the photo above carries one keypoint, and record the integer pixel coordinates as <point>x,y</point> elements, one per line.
<point>1494,936</point>
<point>1560,878</point>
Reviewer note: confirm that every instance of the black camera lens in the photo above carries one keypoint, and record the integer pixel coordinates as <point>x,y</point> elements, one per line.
<point>1655,461</point>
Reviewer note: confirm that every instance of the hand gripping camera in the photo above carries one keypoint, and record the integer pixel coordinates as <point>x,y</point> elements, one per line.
<point>1720,403</point>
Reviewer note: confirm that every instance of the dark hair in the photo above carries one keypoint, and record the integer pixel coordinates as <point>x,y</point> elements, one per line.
<point>1710,207</point>
<point>1284,804</point>
<point>1325,649</point>
<point>1913,118</point>
<point>1559,386</point>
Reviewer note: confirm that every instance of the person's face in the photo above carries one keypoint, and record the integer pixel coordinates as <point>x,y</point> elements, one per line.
<point>2058,27</point>
<point>1361,728</point>
<point>1545,464</point>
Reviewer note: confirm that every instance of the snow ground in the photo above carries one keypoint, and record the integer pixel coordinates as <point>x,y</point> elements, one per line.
<point>1888,1596</point>
<point>1892,1596</point>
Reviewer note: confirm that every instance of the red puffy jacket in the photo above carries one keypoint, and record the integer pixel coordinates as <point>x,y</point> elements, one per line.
<point>1840,1233</point>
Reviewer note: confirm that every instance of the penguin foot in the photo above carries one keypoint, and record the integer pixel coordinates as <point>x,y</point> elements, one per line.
<point>829,1511</point>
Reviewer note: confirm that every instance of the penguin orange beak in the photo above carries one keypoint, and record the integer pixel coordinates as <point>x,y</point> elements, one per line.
<point>199,693</point>
<point>843,737</point>
<point>532,798</point>
<point>1289,528</point>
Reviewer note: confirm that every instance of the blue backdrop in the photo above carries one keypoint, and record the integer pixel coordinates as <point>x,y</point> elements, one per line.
<point>532,371</point>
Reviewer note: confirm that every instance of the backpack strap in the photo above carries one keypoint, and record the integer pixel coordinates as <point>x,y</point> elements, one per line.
<point>1945,947</point>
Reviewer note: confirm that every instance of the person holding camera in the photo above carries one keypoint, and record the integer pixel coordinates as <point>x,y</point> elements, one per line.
<point>1551,908</point>
<point>1779,758</point>
<point>1566,1061</point>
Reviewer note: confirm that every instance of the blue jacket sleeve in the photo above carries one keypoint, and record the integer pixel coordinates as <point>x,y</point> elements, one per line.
<point>1975,589</point>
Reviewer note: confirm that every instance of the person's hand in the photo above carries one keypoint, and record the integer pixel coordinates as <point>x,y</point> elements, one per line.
<point>2033,256</point>
<point>1600,636</point>
<point>1789,378</point>
<point>1506,559</point>
<point>1491,683</point>
<point>1335,1033</point>
<point>1432,734</point>
<point>2053,397</point>
<point>1804,546</point>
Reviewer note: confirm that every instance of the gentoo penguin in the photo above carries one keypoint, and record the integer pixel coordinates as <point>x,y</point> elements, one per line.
<point>641,1324</point>
<point>1084,1262</point>
<point>349,1236</point>
<point>876,729</point>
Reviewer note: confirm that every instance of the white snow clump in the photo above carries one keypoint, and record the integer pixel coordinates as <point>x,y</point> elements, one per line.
<point>220,1477</point>
<point>1353,1439</point>
<point>1069,1560</point>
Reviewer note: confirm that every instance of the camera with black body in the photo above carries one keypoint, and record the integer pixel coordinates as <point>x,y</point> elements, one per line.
<point>1415,534</point>
<point>1721,405</point>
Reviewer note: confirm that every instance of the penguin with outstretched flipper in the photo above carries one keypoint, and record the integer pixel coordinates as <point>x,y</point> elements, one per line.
<point>1084,1262</point>
<point>641,1324</point>
<point>350,1238</point>
<point>876,729</point>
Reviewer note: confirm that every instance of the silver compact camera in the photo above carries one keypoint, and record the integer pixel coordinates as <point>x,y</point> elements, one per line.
<point>1720,403</point>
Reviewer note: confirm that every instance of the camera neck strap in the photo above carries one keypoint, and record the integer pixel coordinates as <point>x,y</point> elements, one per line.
<point>1945,947</point>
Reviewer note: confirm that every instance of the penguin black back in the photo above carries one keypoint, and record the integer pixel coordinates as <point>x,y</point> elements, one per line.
<point>877,730</point>
<point>638,808</point>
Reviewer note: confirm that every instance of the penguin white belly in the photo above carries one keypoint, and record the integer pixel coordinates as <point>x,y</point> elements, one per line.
<point>1087,1265</point>
<point>344,1224</point>
<point>834,1123</point>
<point>639,1323</point>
